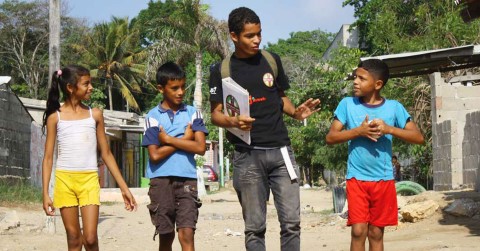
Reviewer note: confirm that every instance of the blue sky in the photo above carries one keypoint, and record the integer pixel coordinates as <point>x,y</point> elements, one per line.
<point>279,17</point>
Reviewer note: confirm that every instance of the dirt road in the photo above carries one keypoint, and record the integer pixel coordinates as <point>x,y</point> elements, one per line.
<point>220,227</point>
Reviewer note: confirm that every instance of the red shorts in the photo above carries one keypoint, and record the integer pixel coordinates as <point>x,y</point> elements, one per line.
<point>372,202</point>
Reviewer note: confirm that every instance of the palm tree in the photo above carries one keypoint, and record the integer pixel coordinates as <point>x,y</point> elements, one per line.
<point>111,53</point>
<point>188,32</point>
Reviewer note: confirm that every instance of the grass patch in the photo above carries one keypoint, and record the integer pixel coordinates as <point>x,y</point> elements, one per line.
<point>18,192</point>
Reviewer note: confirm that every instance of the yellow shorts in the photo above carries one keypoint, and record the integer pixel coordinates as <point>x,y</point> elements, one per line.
<point>76,189</point>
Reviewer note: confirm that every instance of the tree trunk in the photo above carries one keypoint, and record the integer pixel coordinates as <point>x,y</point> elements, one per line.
<point>54,40</point>
<point>197,94</point>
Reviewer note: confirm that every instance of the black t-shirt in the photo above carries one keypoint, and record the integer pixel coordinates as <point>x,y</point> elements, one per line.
<point>266,106</point>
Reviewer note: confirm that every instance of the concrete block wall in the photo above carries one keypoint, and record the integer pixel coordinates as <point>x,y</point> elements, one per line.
<point>471,147</point>
<point>455,134</point>
<point>441,147</point>
<point>15,125</point>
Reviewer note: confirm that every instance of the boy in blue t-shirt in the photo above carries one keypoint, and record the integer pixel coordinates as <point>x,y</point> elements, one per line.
<point>174,133</point>
<point>368,122</point>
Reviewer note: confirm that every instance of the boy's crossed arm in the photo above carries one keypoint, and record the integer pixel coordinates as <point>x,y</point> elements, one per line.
<point>193,142</point>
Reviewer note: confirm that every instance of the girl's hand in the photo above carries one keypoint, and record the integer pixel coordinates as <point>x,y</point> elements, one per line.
<point>129,200</point>
<point>48,206</point>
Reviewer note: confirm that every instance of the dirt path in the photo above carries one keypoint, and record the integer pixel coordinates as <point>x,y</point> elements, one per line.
<point>220,227</point>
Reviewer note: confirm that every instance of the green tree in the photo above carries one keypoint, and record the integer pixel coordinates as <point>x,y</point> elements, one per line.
<point>187,33</point>
<point>24,42</point>
<point>115,59</point>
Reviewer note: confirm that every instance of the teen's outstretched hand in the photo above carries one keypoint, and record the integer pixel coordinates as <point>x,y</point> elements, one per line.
<point>48,206</point>
<point>129,200</point>
<point>306,109</point>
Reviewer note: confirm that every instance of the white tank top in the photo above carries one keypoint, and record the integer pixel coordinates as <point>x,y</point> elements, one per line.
<point>77,144</point>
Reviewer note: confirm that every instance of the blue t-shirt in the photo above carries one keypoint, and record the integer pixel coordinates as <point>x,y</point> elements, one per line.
<point>180,163</point>
<point>369,160</point>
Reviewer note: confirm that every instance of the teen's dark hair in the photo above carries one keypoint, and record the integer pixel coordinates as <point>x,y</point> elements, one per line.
<point>239,17</point>
<point>169,71</point>
<point>376,67</point>
<point>68,75</point>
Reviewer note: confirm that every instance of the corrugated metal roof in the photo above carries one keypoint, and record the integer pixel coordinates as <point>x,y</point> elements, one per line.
<point>426,62</point>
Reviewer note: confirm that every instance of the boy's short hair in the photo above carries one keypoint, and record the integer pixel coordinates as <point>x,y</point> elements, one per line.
<point>169,71</point>
<point>376,67</point>
<point>239,17</point>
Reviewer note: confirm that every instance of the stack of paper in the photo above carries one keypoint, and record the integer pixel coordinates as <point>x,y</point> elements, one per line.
<point>235,102</point>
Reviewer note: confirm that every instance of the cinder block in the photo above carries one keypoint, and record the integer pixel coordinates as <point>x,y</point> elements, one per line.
<point>468,91</point>
<point>452,104</point>
<point>471,104</point>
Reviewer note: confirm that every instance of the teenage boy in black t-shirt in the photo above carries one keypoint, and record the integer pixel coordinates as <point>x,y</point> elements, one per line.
<point>260,166</point>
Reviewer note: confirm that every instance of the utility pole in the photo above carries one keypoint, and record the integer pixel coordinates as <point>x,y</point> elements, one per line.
<point>53,65</point>
<point>54,39</point>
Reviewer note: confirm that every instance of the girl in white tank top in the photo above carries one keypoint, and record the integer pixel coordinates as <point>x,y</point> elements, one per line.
<point>78,131</point>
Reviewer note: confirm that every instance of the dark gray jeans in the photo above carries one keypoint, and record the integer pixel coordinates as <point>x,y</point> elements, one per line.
<point>255,172</point>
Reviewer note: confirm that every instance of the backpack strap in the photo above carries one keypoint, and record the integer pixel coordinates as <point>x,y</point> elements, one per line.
<point>225,65</point>
<point>271,61</point>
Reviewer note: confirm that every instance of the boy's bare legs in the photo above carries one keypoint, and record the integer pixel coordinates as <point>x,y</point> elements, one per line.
<point>186,238</point>
<point>359,236</point>
<point>90,224</point>
<point>166,241</point>
<point>72,227</point>
<point>375,238</point>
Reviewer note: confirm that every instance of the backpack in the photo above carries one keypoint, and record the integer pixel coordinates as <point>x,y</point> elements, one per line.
<point>225,65</point>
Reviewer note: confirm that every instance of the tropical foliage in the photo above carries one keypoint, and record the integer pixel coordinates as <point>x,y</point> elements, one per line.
<point>114,58</point>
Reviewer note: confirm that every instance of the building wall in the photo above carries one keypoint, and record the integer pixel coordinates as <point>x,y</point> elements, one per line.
<point>456,134</point>
<point>37,147</point>
<point>15,125</point>
<point>345,38</point>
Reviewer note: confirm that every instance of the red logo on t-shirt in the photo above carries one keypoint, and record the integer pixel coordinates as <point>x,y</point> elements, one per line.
<point>256,100</point>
